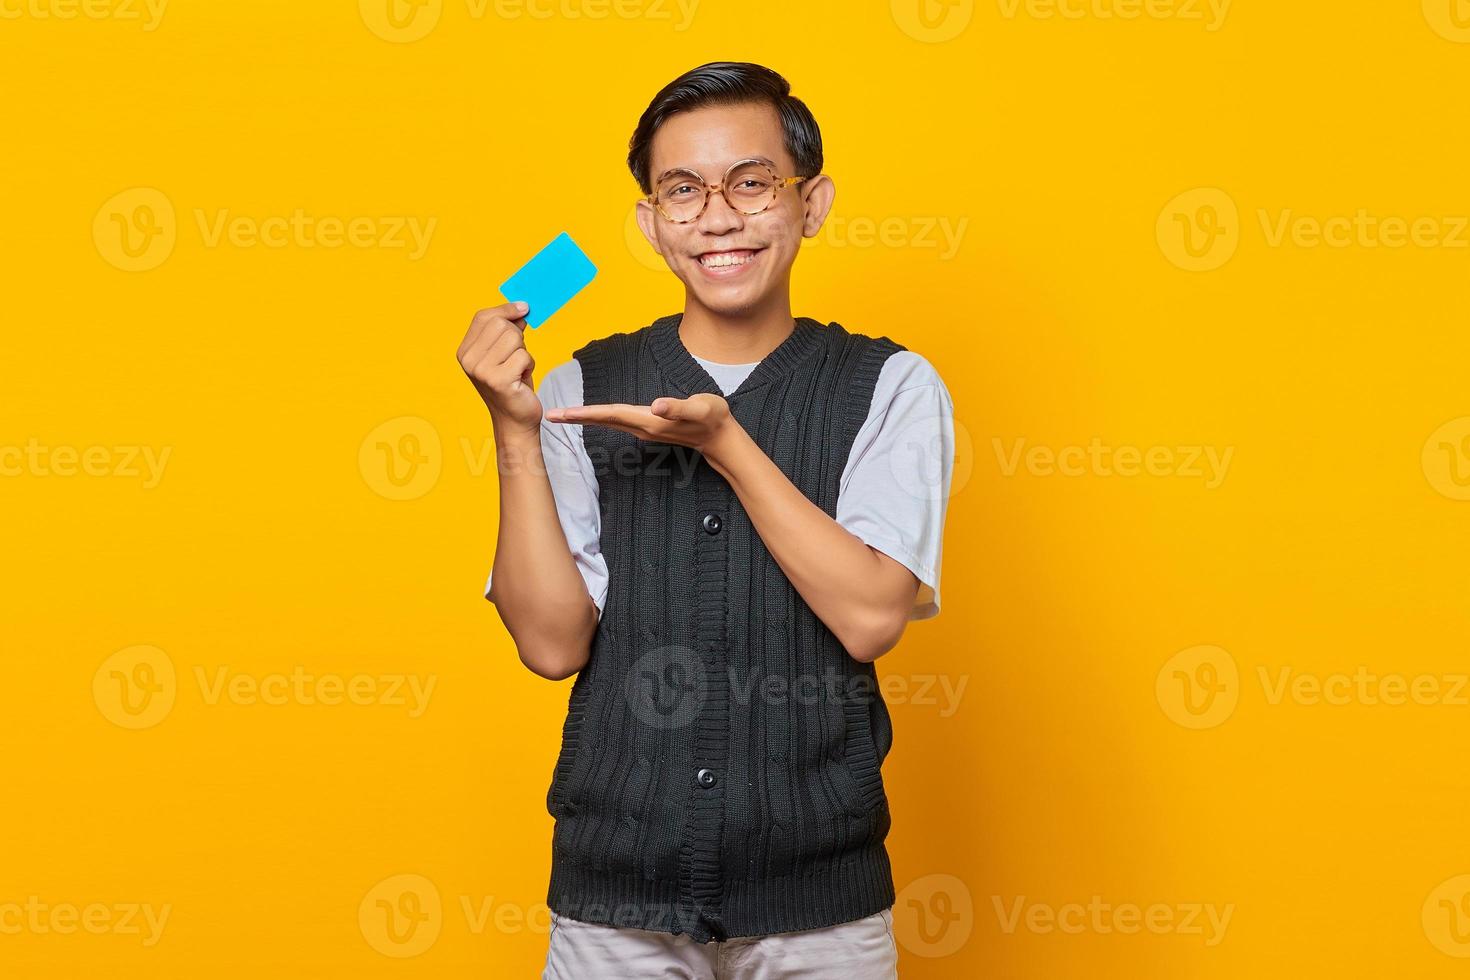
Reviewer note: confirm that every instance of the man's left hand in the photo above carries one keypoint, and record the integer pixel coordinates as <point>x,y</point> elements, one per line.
<point>701,421</point>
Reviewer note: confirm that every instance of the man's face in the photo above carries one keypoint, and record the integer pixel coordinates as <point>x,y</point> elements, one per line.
<point>754,252</point>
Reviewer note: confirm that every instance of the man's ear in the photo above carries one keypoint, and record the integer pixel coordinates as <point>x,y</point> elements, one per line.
<point>819,194</point>
<point>647,222</point>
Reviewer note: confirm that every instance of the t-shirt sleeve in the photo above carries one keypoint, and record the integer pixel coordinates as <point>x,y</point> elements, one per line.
<point>573,481</point>
<point>895,488</point>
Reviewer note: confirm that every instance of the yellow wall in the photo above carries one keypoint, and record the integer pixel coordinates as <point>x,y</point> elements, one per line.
<point>1115,709</point>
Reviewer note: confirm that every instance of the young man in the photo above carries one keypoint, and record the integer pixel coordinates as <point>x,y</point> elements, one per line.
<point>716,523</point>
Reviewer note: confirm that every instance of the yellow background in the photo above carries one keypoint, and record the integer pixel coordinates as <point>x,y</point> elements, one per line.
<point>1074,764</point>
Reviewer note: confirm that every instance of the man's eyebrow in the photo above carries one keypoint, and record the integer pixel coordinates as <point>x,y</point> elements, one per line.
<point>690,170</point>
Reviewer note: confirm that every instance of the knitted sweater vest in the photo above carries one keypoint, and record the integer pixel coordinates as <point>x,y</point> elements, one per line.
<point>719,770</point>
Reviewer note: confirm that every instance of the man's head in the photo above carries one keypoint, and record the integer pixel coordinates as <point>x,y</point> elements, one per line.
<point>700,124</point>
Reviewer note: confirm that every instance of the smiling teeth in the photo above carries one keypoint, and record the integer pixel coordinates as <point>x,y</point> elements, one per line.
<point>717,259</point>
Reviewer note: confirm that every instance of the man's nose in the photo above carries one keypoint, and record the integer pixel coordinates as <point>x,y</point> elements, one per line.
<point>719,218</point>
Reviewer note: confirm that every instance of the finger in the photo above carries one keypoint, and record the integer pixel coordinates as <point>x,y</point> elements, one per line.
<point>676,409</point>
<point>517,367</point>
<point>633,419</point>
<point>608,413</point>
<point>495,348</point>
<point>474,359</point>
<point>506,378</point>
<point>517,314</point>
<point>632,428</point>
<point>505,311</point>
<point>510,340</point>
<point>471,338</point>
<point>487,324</point>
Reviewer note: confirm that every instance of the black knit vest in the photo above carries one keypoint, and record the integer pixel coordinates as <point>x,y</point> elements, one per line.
<point>719,769</point>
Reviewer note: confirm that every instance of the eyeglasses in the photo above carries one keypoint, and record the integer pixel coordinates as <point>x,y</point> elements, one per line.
<point>749,186</point>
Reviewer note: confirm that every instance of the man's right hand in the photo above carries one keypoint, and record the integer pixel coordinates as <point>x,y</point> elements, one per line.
<point>494,356</point>
<point>536,588</point>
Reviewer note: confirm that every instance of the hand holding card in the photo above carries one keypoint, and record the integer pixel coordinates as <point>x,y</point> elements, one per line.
<point>553,276</point>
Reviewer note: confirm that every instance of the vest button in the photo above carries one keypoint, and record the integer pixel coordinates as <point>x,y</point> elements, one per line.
<point>712,523</point>
<point>705,778</point>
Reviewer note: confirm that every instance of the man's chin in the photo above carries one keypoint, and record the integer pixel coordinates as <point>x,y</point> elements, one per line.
<point>731,310</point>
<point>726,302</point>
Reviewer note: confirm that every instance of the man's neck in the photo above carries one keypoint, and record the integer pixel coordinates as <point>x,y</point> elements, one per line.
<point>734,340</point>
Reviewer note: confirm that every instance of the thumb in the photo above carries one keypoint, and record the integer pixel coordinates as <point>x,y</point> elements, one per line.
<point>668,408</point>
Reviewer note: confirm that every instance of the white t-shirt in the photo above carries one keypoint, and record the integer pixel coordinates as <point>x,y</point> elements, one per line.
<point>893,493</point>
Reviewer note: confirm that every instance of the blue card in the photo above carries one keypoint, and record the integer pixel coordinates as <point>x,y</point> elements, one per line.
<point>552,277</point>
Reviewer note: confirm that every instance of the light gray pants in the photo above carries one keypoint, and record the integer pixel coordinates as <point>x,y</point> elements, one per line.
<point>859,950</point>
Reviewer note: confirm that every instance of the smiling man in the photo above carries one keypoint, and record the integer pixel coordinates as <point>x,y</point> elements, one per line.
<point>718,522</point>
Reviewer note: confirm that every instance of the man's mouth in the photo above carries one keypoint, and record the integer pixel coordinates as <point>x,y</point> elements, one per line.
<point>728,258</point>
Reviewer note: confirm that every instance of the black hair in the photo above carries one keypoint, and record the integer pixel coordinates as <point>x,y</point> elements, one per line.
<point>727,83</point>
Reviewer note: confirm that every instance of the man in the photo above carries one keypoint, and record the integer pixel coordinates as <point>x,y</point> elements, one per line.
<point>716,523</point>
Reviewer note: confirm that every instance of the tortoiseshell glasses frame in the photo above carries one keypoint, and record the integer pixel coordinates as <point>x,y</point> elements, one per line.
<point>777,183</point>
